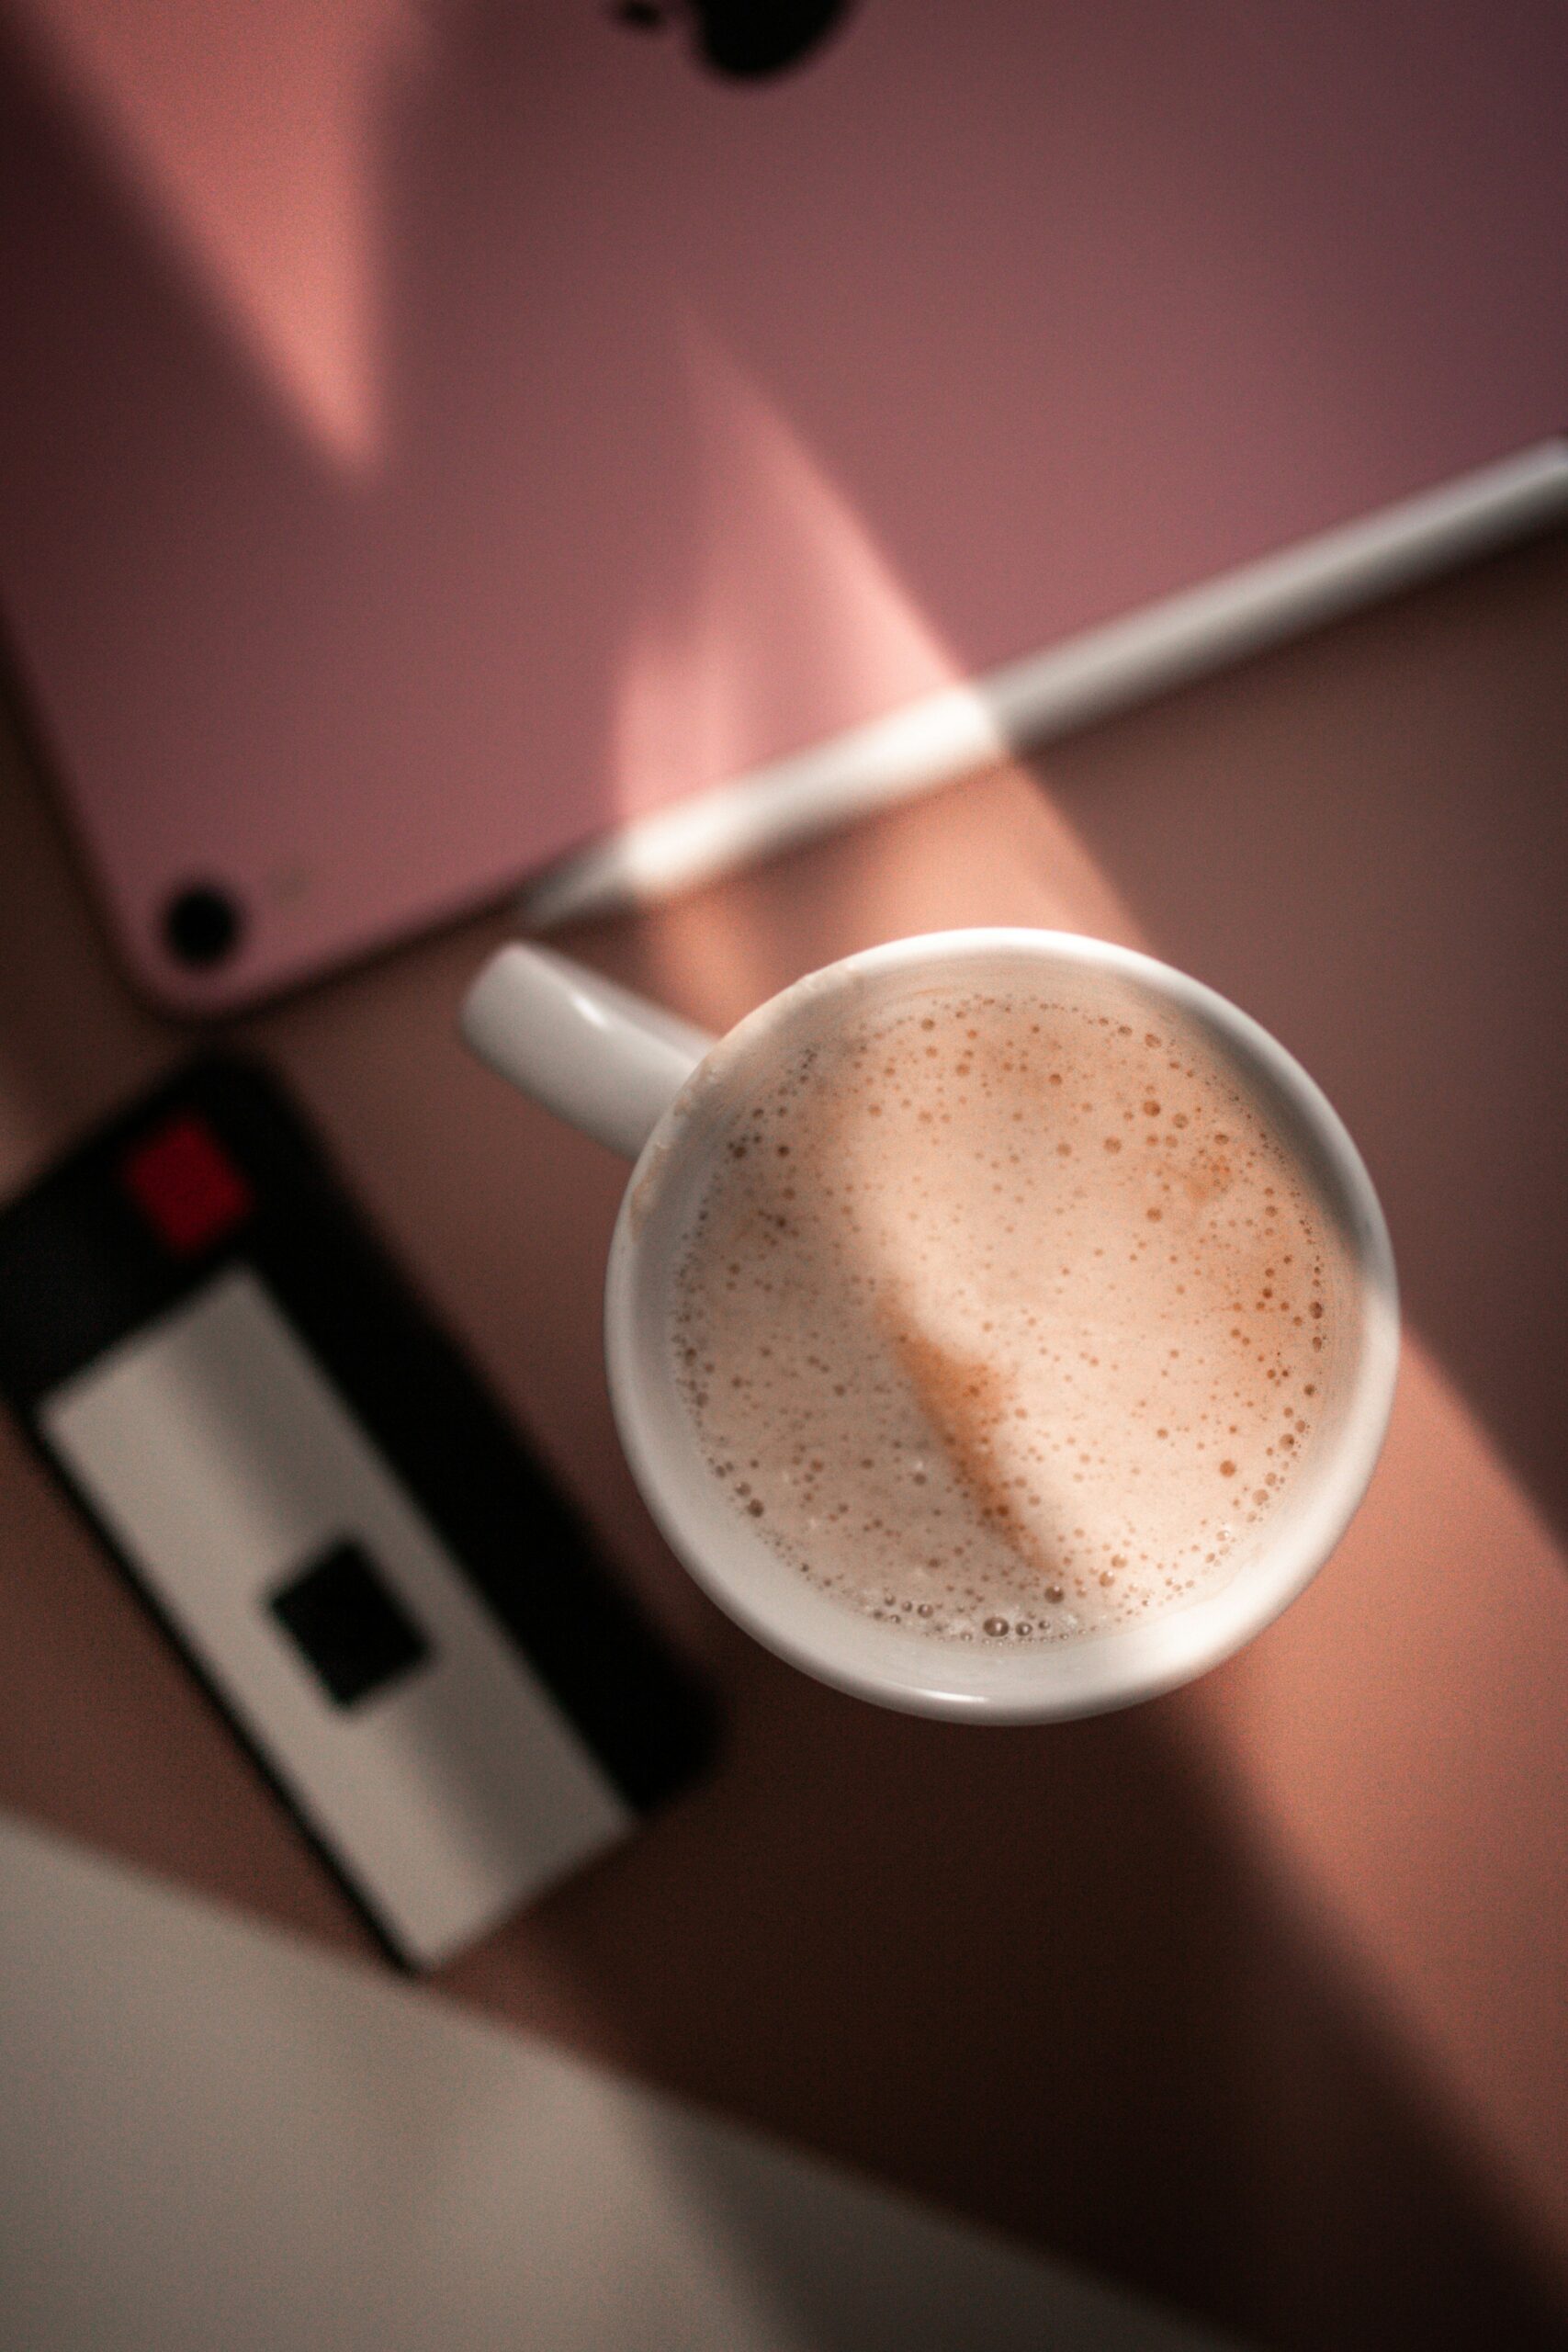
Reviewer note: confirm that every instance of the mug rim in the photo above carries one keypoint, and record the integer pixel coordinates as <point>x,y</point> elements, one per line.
<point>1053,1680</point>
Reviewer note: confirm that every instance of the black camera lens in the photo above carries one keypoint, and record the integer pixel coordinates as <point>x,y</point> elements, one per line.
<point>751,39</point>
<point>744,38</point>
<point>202,924</point>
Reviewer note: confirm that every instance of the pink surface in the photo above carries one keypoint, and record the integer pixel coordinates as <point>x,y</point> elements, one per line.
<point>431,437</point>
<point>1252,1997</point>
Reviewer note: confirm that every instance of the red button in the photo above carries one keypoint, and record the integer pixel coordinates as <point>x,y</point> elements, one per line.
<point>185,1184</point>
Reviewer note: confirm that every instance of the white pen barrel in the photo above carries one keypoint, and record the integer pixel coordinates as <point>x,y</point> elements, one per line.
<point>602,1058</point>
<point>1086,678</point>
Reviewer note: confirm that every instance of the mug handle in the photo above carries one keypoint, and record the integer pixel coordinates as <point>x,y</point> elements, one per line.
<point>602,1058</point>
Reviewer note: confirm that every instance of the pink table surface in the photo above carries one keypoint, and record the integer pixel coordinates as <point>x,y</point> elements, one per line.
<point>1254,1996</point>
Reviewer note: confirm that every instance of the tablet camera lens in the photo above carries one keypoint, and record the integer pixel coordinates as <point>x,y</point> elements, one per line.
<point>201,926</point>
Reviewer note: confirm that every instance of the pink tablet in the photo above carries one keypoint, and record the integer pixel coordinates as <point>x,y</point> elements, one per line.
<point>433,434</point>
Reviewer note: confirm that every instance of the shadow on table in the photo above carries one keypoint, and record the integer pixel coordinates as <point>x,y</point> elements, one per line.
<point>1068,1996</point>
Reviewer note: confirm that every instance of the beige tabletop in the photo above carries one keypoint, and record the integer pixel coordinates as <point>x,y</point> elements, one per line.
<point>1255,1997</point>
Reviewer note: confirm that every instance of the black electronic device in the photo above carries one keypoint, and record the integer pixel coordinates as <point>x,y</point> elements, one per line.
<point>397,1610</point>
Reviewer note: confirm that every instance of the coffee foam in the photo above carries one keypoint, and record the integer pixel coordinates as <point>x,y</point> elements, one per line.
<point>1006,1318</point>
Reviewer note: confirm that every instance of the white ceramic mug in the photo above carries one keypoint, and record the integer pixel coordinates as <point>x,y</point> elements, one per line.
<point>663,1093</point>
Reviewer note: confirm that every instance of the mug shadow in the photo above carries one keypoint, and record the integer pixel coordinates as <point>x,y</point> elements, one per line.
<point>1070,1996</point>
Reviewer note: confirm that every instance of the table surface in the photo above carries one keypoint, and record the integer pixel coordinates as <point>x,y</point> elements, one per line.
<point>1252,1998</point>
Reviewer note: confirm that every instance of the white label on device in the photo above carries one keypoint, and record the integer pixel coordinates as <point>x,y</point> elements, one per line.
<point>256,1508</point>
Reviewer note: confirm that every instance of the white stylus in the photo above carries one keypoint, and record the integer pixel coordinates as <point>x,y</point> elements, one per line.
<point>1086,678</point>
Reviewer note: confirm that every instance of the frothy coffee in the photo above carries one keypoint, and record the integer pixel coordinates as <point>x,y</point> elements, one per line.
<point>1006,1318</point>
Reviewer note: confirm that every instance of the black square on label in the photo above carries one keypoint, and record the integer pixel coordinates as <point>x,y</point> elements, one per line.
<point>353,1630</point>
